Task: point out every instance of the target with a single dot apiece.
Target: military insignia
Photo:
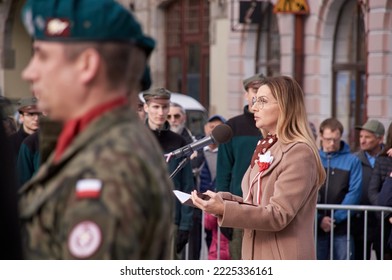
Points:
(88, 188)
(57, 27)
(84, 240)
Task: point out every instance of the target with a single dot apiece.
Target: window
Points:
(268, 42)
(187, 48)
(349, 66)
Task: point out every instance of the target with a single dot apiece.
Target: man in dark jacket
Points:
(371, 137)
(234, 156)
(29, 116)
(157, 103)
(11, 245)
(385, 199)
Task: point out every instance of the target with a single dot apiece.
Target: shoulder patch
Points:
(88, 188)
(84, 239)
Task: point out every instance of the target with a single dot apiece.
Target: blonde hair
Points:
(293, 124)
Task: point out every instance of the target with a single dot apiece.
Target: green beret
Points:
(146, 79)
(258, 78)
(156, 93)
(28, 105)
(83, 21)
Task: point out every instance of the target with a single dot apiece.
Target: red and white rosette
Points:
(263, 163)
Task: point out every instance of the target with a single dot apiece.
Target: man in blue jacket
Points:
(342, 186)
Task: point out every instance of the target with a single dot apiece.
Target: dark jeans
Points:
(195, 236)
(339, 247)
(358, 231)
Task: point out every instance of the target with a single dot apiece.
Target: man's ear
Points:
(21, 117)
(145, 106)
(89, 63)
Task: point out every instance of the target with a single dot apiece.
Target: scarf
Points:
(261, 151)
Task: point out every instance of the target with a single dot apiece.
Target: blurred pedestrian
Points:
(29, 116)
(140, 110)
(10, 245)
(29, 158)
(381, 172)
(9, 123)
(385, 199)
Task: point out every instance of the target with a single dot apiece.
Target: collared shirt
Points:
(371, 159)
(74, 127)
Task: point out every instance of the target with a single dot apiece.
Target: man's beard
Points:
(177, 129)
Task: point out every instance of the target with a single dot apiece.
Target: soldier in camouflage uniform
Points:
(105, 192)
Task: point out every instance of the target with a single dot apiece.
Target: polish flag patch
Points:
(88, 188)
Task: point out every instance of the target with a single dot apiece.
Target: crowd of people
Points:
(101, 186)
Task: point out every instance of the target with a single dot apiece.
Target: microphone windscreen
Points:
(222, 133)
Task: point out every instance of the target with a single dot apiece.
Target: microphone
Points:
(220, 134)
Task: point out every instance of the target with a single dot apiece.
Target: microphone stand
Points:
(180, 166)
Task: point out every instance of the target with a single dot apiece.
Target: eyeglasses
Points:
(175, 116)
(260, 102)
(334, 140)
(38, 114)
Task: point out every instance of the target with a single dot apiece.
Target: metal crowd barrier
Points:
(383, 211)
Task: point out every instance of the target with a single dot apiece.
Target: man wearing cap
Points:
(140, 110)
(157, 103)
(104, 193)
(177, 120)
(29, 117)
(371, 137)
(234, 156)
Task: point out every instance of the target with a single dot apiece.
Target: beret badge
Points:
(57, 27)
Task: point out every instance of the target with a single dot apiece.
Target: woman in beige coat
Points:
(280, 187)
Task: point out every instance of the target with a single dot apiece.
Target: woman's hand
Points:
(214, 205)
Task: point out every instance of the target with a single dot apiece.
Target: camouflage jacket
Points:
(108, 197)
